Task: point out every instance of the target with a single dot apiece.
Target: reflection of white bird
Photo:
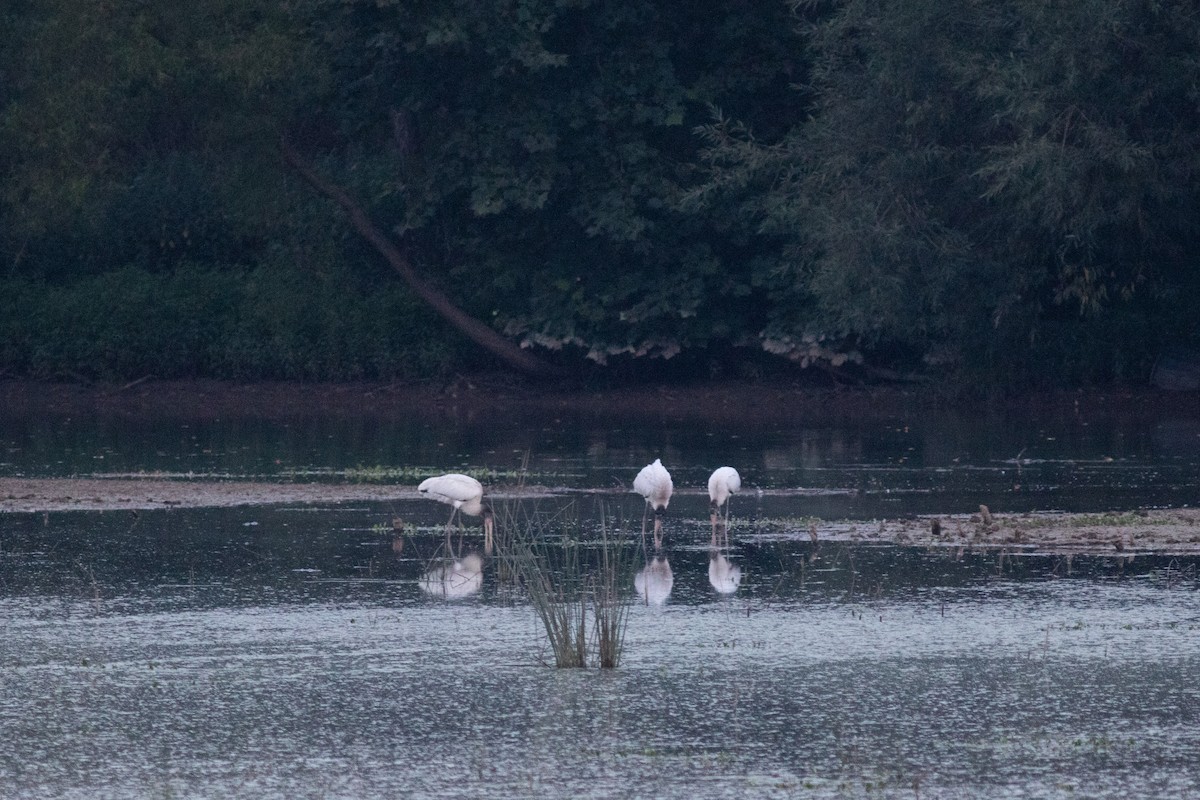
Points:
(454, 579)
(653, 584)
(654, 484)
(723, 574)
(466, 495)
(721, 484)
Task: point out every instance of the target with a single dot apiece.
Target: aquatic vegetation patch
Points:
(379, 473)
(1114, 519)
(565, 580)
(1172, 530)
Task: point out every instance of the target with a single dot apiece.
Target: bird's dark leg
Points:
(657, 529)
(449, 522)
(489, 524)
(645, 515)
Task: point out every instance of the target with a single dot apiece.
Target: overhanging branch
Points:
(473, 329)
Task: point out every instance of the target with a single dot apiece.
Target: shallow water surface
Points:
(307, 652)
(1085, 458)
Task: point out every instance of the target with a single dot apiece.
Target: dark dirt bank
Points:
(717, 402)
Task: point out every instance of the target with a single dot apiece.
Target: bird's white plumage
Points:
(722, 483)
(461, 491)
(654, 484)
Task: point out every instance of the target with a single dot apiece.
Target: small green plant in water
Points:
(413, 474)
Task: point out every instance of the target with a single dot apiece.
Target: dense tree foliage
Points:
(532, 155)
(142, 133)
(1005, 186)
(888, 187)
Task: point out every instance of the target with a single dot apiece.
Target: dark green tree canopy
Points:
(885, 187)
(533, 155)
(983, 179)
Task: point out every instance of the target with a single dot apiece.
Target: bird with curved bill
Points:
(465, 494)
(724, 575)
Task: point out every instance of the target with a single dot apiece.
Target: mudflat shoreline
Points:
(1159, 531)
(34, 495)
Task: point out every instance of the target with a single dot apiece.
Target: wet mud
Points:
(1163, 531)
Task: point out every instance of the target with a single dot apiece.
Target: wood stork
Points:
(721, 484)
(465, 494)
(654, 484)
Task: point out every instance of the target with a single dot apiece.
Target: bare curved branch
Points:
(473, 329)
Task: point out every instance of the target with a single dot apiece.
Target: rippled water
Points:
(318, 652)
(296, 652)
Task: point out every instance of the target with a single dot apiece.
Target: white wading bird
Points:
(721, 484)
(466, 495)
(723, 574)
(654, 484)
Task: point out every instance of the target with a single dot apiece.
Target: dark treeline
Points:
(341, 189)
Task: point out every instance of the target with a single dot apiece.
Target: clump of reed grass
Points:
(565, 580)
(610, 609)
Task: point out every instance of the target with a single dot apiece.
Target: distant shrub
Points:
(235, 323)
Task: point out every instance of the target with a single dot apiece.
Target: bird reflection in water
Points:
(653, 583)
(454, 578)
(724, 575)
